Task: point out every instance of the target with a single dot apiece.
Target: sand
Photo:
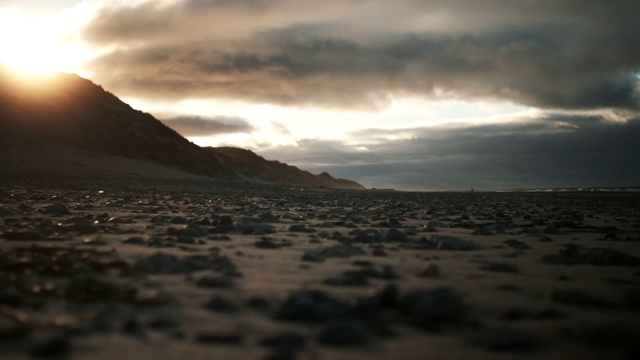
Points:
(195, 270)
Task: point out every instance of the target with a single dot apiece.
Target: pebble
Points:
(215, 281)
(574, 298)
(431, 271)
(287, 339)
(349, 278)
(223, 305)
(344, 334)
(429, 309)
(81, 224)
(341, 250)
(219, 337)
(503, 339)
(446, 242)
(500, 267)
(56, 209)
(311, 306)
(54, 346)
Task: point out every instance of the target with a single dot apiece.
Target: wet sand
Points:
(194, 270)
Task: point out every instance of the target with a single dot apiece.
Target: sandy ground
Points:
(190, 270)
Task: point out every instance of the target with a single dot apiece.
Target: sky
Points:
(406, 94)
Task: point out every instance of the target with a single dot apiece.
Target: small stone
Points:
(311, 306)
(394, 235)
(518, 245)
(312, 256)
(446, 242)
(219, 337)
(218, 282)
(341, 250)
(223, 305)
(25, 235)
(135, 240)
(432, 271)
(268, 217)
(266, 244)
(574, 298)
(287, 339)
(132, 327)
(9, 328)
(301, 228)
(349, 278)
(54, 346)
(82, 224)
(345, 334)
(500, 267)
(225, 220)
(178, 220)
(507, 339)
(430, 308)
(56, 209)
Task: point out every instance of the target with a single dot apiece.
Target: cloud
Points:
(201, 126)
(555, 150)
(548, 54)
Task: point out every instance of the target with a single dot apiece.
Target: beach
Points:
(196, 269)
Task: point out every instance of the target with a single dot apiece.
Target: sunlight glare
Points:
(37, 45)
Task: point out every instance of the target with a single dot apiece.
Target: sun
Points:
(38, 45)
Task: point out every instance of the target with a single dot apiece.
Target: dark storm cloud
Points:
(558, 150)
(200, 126)
(552, 54)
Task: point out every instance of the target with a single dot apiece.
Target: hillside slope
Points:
(69, 112)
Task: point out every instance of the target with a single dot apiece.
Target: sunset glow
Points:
(436, 89)
(39, 44)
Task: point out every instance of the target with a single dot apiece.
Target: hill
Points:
(62, 122)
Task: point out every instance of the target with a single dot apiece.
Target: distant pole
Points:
(471, 189)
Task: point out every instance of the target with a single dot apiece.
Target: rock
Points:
(178, 220)
(53, 346)
(9, 328)
(225, 220)
(446, 242)
(341, 250)
(266, 244)
(223, 305)
(301, 228)
(268, 217)
(394, 235)
(500, 267)
(574, 298)
(576, 254)
(135, 240)
(349, 278)
(311, 306)
(431, 271)
(215, 281)
(219, 337)
(389, 296)
(33, 235)
(56, 209)
(503, 339)
(158, 262)
(552, 230)
(313, 256)
(288, 339)
(81, 224)
(345, 334)
(4, 211)
(429, 309)
(518, 245)
(132, 327)
(483, 231)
